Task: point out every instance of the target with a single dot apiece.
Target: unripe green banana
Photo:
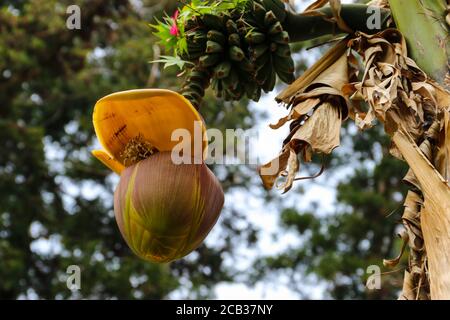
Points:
(224, 16)
(190, 98)
(216, 85)
(259, 12)
(258, 51)
(273, 47)
(212, 21)
(277, 7)
(285, 76)
(199, 86)
(234, 40)
(193, 94)
(222, 70)
(271, 79)
(241, 23)
(245, 25)
(234, 78)
(194, 48)
(263, 74)
(190, 24)
(247, 66)
(283, 51)
(226, 95)
(213, 47)
(236, 53)
(276, 28)
(255, 37)
(247, 22)
(216, 36)
(257, 94)
(195, 87)
(262, 60)
(195, 35)
(232, 81)
(281, 38)
(197, 75)
(269, 19)
(273, 4)
(232, 27)
(245, 76)
(239, 93)
(209, 60)
(250, 89)
(243, 32)
(198, 83)
(285, 65)
(234, 93)
(200, 38)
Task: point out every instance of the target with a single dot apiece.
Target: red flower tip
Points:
(174, 29)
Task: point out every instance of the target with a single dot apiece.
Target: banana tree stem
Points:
(358, 17)
(422, 22)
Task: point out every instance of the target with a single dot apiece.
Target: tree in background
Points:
(51, 189)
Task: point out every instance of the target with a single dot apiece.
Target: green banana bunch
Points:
(217, 48)
(195, 84)
(238, 54)
(269, 44)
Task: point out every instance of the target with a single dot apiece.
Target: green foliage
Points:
(172, 42)
(178, 43)
(170, 61)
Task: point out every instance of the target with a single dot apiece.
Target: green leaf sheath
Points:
(302, 28)
(427, 37)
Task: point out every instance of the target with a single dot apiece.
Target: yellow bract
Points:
(108, 161)
(152, 114)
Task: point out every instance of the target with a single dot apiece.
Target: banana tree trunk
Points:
(423, 23)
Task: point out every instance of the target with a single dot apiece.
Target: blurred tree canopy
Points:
(56, 200)
(50, 79)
